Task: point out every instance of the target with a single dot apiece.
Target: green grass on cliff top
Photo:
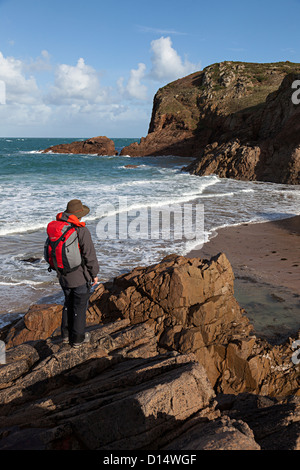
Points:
(181, 97)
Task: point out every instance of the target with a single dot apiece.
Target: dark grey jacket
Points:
(89, 271)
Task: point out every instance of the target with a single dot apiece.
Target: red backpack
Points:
(61, 250)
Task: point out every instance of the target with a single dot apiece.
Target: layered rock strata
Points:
(112, 395)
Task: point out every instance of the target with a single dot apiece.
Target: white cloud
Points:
(73, 99)
(40, 64)
(166, 63)
(45, 54)
(19, 88)
(134, 88)
(23, 109)
(74, 102)
(75, 84)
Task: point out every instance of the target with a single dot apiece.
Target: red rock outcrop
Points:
(97, 145)
(110, 395)
(271, 152)
(192, 306)
(237, 119)
(172, 364)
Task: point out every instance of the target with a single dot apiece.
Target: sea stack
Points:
(100, 145)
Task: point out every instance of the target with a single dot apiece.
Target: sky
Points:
(71, 68)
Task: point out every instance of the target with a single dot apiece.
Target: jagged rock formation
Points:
(113, 394)
(97, 145)
(172, 364)
(270, 153)
(236, 118)
(194, 309)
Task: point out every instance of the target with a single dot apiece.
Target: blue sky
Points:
(74, 68)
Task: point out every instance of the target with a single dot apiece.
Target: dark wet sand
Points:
(266, 252)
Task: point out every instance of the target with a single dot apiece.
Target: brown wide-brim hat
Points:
(77, 208)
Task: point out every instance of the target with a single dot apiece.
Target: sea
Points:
(164, 208)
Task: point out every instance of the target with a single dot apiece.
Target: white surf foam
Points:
(23, 282)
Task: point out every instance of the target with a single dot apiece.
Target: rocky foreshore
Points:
(173, 364)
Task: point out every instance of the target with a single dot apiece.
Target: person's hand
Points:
(95, 281)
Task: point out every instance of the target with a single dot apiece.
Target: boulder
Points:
(40, 322)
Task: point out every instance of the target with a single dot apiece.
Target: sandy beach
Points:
(267, 252)
(265, 258)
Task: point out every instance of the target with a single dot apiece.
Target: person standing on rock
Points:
(69, 250)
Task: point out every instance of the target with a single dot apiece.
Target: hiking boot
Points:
(86, 340)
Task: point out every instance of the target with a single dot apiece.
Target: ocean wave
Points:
(26, 228)
(134, 166)
(192, 245)
(227, 194)
(295, 192)
(115, 186)
(23, 282)
(252, 220)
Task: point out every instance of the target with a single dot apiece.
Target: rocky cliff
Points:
(173, 364)
(237, 119)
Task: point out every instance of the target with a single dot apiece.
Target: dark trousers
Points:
(74, 313)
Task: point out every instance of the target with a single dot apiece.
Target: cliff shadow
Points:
(265, 416)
